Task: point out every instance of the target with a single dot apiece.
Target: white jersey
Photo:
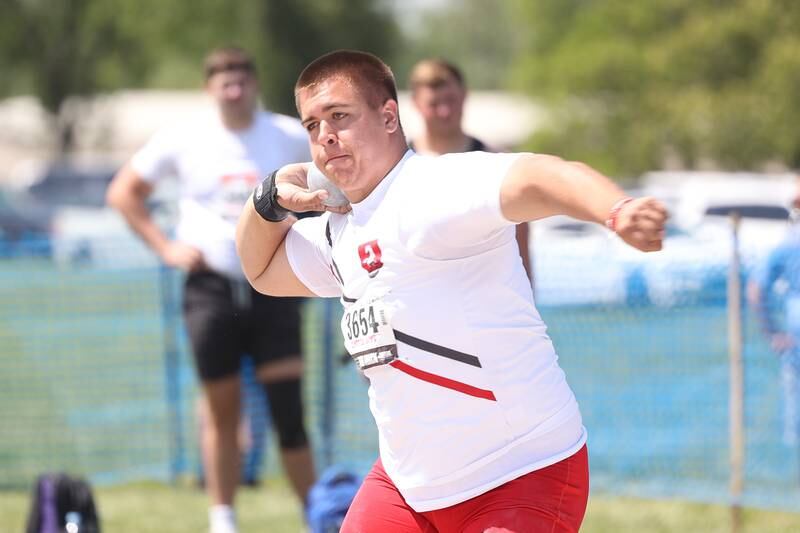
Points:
(217, 169)
(465, 387)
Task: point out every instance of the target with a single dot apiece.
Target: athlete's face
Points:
(350, 140)
(441, 107)
(235, 92)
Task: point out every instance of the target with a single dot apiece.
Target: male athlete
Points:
(478, 429)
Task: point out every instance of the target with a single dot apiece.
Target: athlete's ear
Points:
(391, 116)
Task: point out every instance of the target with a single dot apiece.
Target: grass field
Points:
(158, 508)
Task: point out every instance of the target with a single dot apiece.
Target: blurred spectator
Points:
(253, 422)
(438, 92)
(776, 283)
(218, 159)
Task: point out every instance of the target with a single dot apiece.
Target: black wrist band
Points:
(265, 200)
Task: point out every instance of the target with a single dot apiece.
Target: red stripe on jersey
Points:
(443, 381)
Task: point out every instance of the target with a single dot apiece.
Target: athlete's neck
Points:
(433, 144)
(389, 163)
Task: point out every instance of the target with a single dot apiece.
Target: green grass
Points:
(619, 515)
(159, 508)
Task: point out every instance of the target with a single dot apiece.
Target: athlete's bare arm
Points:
(538, 186)
(261, 244)
(128, 193)
(262, 251)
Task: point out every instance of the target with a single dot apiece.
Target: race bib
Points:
(368, 336)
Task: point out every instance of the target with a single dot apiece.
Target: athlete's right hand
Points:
(183, 256)
(293, 193)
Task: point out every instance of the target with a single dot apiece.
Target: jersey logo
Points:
(370, 254)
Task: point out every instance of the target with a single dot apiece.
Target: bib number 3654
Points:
(360, 322)
(368, 336)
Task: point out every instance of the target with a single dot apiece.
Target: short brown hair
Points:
(227, 59)
(368, 73)
(434, 72)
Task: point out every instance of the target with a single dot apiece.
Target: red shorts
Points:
(552, 499)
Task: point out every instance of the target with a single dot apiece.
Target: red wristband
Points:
(611, 221)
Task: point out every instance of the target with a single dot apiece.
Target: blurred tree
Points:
(291, 33)
(482, 38)
(283, 35)
(58, 49)
(635, 84)
(69, 47)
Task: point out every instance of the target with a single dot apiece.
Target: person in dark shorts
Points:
(217, 158)
(226, 318)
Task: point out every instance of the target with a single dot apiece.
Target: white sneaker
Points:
(222, 519)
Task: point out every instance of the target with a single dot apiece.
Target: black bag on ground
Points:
(59, 499)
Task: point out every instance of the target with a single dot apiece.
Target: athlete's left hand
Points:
(641, 223)
(294, 194)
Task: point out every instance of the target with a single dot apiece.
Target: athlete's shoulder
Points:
(440, 174)
(335, 225)
(468, 160)
(327, 227)
(310, 223)
(420, 165)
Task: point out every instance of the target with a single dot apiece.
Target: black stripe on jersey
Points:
(334, 267)
(435, 349)
(337, 274)
(333, 273)
(328, 232)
